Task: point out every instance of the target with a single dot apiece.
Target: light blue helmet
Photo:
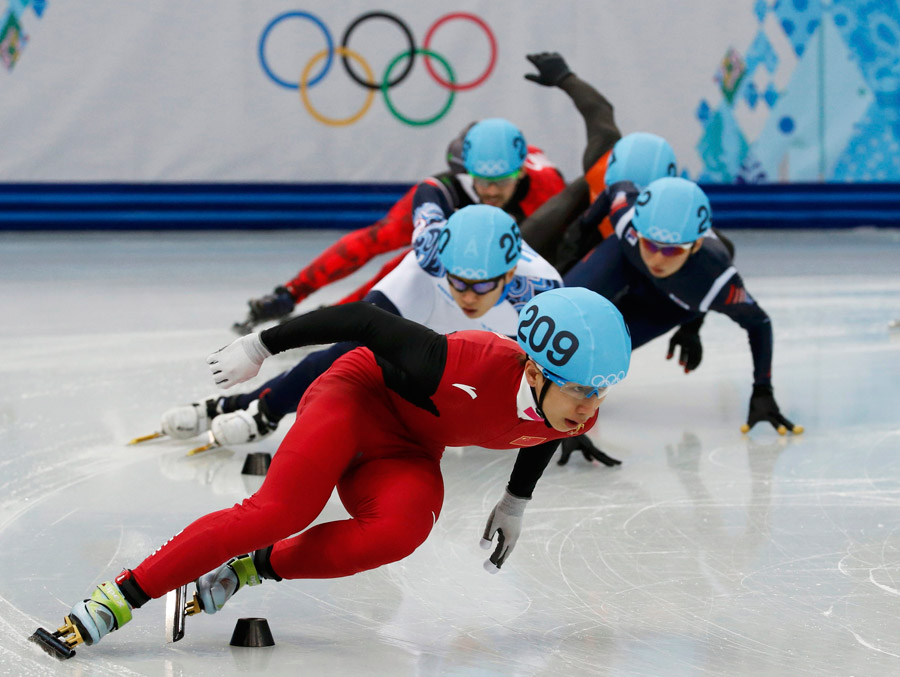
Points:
(672, 210)
(479, 242)
(576, 336)
(494, 148)
(640, 158)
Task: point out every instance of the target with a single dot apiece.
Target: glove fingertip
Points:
(485, 544)
(490, 567)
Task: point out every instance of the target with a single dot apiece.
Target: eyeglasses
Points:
(481, 287)
(501, 182)
(575, 390)
(667, 250)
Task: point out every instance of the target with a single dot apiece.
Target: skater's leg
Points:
(304, 471)
(394, 503)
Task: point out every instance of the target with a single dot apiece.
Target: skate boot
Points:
(217, 587)
(189, 420)
(108, 609)
(243, 425)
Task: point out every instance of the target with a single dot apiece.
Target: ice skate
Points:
(244, 425)
(88, 622)
(217, 587)
(193, 419)
(179, 607)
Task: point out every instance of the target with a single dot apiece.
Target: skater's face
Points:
(466, 293)
(663, 260)
(564, 412)
(495, 192)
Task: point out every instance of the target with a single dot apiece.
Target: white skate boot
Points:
(243, 426)
(217, 587)
(189, 420)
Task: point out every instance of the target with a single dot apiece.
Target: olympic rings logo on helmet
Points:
(307, 80)
(469, 273)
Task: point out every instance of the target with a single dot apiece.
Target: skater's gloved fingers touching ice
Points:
(239, 361)
(763, 407)
(505, 521)
(587, 448)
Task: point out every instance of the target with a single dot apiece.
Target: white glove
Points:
(238, 361)
(506, 517)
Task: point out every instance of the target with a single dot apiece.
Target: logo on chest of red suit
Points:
(527, 441)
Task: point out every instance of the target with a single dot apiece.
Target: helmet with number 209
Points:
(577, 337)
(673, 211)
(479, 242)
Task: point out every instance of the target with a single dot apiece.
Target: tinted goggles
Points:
(575, 390)
(500, 182)
(480, 287)
(667, 250)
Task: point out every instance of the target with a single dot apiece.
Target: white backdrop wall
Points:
(168, 90)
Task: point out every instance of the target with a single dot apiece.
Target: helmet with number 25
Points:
(479, 242)
(578, 338)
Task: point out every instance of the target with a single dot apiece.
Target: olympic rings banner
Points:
(393, 74)
(748, 91)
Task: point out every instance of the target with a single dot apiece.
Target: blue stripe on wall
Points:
(47, 206)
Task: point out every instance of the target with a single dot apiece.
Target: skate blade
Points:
(52, 644)
(205, 447)
(144, 438)
(178, 607)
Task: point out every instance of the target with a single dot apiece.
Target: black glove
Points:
(688, 339)
(587, 448)
(552, 69)
(272, 306)
(763, 407)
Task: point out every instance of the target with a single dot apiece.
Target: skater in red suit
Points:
(518, 179)
(374, 426)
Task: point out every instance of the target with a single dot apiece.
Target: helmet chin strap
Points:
(539, 399)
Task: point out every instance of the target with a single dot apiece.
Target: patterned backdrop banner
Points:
(746, 91)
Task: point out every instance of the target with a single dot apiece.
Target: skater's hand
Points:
(588, 450)
(688, 339)
(272, 306)
(238, 361)
(552, 69)
(763, 407)
(505, 521)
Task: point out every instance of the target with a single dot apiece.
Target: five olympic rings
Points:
(369, 81)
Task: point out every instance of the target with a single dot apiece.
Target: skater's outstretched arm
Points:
(410, 348)
(595, 109)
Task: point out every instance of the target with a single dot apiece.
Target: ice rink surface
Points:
(706, 553)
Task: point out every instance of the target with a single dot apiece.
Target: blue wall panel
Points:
(68, 206)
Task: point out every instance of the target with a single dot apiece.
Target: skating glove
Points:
(505, 521)
(272, 306)
(763, 407)
(239, 361)
(552, 69)
(588, 450)
(688, 339)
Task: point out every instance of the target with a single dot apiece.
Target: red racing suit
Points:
(374, 426)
